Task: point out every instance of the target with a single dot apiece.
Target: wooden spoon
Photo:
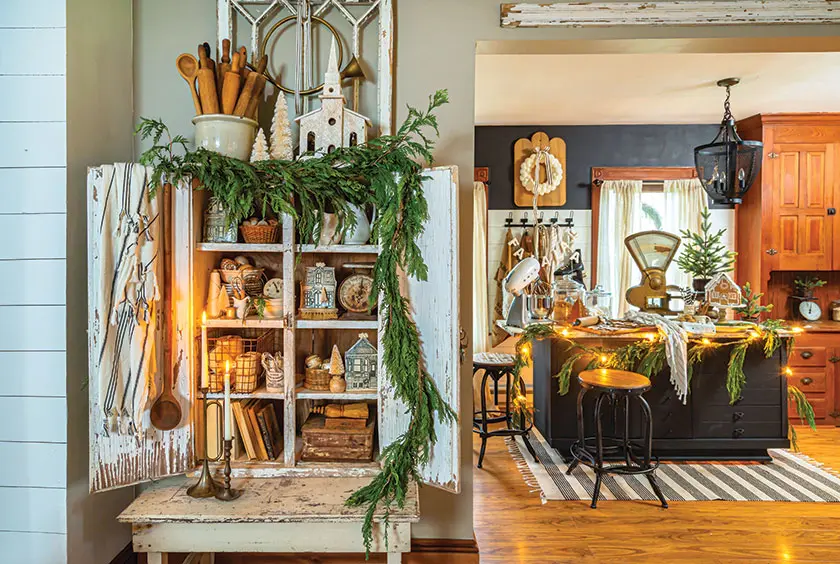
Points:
(166, 411)
(188, 69)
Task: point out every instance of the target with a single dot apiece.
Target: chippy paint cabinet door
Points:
(434, 305)
(124, 447)
(804, 190)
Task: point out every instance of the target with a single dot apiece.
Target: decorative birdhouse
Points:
(317, 293)
(332, 125)
(360, 362)
(723, 292)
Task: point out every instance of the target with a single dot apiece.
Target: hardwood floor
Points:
(513, 526)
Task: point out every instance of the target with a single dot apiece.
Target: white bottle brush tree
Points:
(260, 150)
(336, 363)
(281, 131)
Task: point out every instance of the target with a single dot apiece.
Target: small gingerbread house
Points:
(332, 125)
(723, 292)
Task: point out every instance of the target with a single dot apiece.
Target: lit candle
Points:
(228, 435)
(205, 358)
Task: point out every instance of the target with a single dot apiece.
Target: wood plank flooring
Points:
(513, 526)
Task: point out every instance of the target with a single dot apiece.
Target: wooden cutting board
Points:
(523, 149)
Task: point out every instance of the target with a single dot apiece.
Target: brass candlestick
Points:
(227, 493)
(206, 485)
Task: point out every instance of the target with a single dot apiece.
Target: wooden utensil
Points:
(243, 62)
(207, 84)
(259, 87)
(249, 89)
(188, 69)
(230, 89)
(166, 411)
(211, 63)
(224, 66)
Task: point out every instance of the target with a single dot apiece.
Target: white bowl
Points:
(232, 136)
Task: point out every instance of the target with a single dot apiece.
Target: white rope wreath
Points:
(528, 173)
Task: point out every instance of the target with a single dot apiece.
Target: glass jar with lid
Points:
(599, 302)
(834, 310)
(568, 297)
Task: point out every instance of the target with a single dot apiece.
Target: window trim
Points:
(645, 174)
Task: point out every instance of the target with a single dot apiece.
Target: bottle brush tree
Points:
(704, 255)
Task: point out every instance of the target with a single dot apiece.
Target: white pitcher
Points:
(360, 234)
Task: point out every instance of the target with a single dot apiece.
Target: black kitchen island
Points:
(706, 427)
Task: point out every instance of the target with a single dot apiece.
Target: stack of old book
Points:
(259, 428)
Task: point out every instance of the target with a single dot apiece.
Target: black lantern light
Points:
(728, 166)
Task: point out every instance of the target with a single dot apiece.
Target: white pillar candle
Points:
(228, 435)
(205, 358)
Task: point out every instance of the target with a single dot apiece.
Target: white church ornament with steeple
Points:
(332, 125)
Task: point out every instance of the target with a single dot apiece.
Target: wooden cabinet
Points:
(787, 221)
(813, 362)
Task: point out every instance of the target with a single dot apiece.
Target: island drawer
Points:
(807, 356)
(809, 380)
(820, 404)
(740, 430)
(724, 422)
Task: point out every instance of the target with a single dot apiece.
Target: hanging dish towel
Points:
(129, 296)
(676, 347)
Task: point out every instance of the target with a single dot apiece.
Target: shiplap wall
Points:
(33, 412)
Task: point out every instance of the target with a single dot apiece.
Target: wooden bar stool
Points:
(496, 366)
(615, 385)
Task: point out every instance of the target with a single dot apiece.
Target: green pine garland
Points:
(647, 356)
(385, 172)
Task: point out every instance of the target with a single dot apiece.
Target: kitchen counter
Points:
(818, 326)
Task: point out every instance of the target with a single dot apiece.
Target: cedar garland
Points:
(384, 172)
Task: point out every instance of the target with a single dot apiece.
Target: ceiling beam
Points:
(671, 13)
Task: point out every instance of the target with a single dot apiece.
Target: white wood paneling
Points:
(33, 51)
(40, 374)
(33, 13)
(33, 548)
(670, 13)
(33, 282)
(32, 98)
(32, 144)
(42, 420)
(34, 465)
(33, 190)
(33, 236)
(36, 510)
(32, 328)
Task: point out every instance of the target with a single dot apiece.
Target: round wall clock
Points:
(810, 311)
(274, 288)
(354, 292)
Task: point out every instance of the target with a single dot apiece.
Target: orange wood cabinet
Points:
(813, 360)
(787, 220)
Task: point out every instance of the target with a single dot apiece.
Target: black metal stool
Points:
(614, 385)
(496, 366)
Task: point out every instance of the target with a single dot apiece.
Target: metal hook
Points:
(524, 219)
(542, 215)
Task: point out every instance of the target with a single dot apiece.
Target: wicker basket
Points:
(236, 349)
(253, 280)
(260, 233)
(247, 372)
(317, 380)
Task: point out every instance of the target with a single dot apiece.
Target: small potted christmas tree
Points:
(804, 287)
(704, 255)
(337, 383)
(753, 309)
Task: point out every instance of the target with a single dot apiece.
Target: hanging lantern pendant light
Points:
(728, 166)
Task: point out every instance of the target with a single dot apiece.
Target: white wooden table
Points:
(273, 515)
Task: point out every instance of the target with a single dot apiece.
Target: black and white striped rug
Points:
(790, 477)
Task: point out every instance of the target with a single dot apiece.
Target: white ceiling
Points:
(650, 88)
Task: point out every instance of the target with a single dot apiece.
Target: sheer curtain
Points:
(481, 307)
(619, 217)
(684, 201)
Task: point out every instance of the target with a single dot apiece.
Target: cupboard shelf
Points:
(346, 249)
(249, 323)
(259, 393)
(303, 393)
(372, 324)
(243, 247)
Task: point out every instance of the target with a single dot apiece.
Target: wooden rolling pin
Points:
(259, 88)
(224, 66)
(207, 84)
(243, 56)
(230, 89)
(249, 91)
(349, 411)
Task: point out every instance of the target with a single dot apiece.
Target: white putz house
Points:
(332, 125)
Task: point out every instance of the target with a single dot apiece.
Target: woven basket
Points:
(253, 280)
(247, 372)
(260, 233)
(317, 380)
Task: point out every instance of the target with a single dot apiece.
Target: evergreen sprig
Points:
(704, 254)
(387, 173)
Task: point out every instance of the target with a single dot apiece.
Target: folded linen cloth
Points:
(676, 347)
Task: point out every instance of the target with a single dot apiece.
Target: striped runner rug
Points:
(790, 477)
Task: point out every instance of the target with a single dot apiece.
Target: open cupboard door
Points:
(126, 343)
(435, 307)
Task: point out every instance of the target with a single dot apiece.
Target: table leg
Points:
(394, 558)
(157, 558)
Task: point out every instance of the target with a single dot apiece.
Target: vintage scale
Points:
(653, 252)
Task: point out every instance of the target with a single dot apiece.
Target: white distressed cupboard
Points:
(118, 461)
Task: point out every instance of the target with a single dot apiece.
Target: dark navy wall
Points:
(587, 146)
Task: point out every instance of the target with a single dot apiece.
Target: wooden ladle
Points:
(188, 68)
